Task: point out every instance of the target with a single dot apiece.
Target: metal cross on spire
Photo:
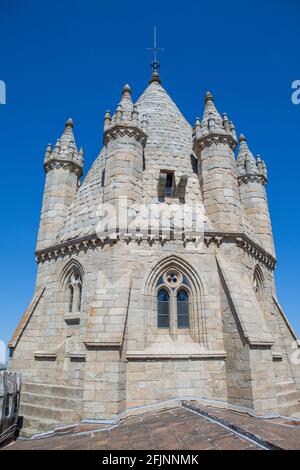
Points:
(155, 64)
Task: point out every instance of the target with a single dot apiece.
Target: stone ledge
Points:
(140, 355)
(91, 241)
(77, 357)
(260, 344)
(72, 319)
(45, 355)
(115, 345)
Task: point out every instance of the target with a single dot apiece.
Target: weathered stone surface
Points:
(10, 388)
(89, 345)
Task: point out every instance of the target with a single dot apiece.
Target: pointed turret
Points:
(245, 160)
(124, 138)
(126, 102)
(63, 167)
(107, 120)
(212, 122)
(65, 150)
(252, 180)
(214, 144)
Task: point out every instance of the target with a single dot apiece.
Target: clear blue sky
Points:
(71, 58)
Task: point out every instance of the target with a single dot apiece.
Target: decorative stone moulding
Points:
(256, 251)
(66, 165)
(247, 178)
(93, 241)
(139, 355)
(214, 139)
(123, 131)
(172, 278)
(103, 345)
(46, 356)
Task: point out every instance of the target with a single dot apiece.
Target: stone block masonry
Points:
(162, 308)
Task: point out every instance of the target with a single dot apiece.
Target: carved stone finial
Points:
(107, 119)
(126, 89)
(48, 151)
(119, 113)
(69, 123)
(134, 113)
(208, 97)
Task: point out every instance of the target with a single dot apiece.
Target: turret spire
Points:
(63, 167)
(245, 160)
(126, 101)
(252, 180)
(155, 64)
(213, 124)
(65, 148)
(211, 116)
(214, 145)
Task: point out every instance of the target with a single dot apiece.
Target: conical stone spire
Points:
(123, 110)
(126, 102)
(213, 124)
(211, 116)
(67, 140)
(65, 149)
(63, 167)
(246, 163)
(126, 118)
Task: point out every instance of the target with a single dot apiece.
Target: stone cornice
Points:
(120, 130)
(92, 241)
(56, 163)
(145, 355)
(210, 139)
(252, 178)
(244, 242)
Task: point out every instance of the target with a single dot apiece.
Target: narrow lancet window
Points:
(182, 309)
(163, 309)
(71, 296)
(79, 297)
(74, 291)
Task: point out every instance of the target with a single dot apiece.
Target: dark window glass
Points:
(169, 185)
(182, 309)
(79, 297)
(163, 309)
(71, 290)
(102, 178)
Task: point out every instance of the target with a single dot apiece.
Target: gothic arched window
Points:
(258, 284)
(182, 309)
(173, 300)
(259, 287)
(163, 309)
(74, 286)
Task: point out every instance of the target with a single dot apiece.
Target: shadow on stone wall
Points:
(10, 388)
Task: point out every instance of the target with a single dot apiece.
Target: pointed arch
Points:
(71, 280)
(259, 286)
(71, 266)
(189, 280)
